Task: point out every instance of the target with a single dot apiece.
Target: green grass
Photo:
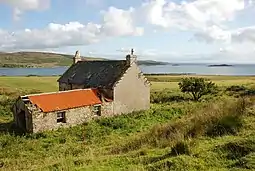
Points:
(47, 84)
(44, 84)
(223, 136)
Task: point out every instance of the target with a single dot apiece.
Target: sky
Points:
(211, 31)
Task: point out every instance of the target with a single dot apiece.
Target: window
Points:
(61, 117)
(97, 110)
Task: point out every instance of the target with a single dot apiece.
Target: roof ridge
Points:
(57, 92)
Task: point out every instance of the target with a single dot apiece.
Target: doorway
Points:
(22, 120)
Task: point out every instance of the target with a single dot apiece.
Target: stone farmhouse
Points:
(87, 90)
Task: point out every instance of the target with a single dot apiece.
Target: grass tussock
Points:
(224, 118)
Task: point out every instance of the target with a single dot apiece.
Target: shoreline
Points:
(160, 74)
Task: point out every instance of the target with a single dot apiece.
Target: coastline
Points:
(147, 75)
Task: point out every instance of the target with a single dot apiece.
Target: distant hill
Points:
(150, 62)
(36, 59)
(46, 59)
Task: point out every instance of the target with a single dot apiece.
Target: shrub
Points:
(236, 88)
(250, 92)
(231, 120)
(166, 96)
(196, 87)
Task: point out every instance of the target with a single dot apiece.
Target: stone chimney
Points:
(131, 58)
(77, 57)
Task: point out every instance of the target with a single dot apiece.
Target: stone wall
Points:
(48, 121)
(132, 92)
(107, 109)
(19, 107)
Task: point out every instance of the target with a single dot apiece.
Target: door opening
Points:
(22, 120)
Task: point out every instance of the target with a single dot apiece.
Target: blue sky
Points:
(167, 30)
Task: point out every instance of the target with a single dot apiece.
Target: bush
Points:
(236, 88)
(5, 106)
(227, 125)
(166, 96)
(196, 87)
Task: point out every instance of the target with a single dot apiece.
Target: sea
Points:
(192, 69)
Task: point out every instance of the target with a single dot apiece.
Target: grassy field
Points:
(47, 84)
(217, 133)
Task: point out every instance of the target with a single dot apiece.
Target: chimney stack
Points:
(131, 58)
(77, 57)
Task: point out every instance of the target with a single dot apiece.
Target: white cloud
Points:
(20, 6)
(118, 22)
(205, 18)
(197, 14)
(53, 36)
(235, 36)
(246, 34)
(212, 34)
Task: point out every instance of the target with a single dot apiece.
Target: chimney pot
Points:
(77, 57)
(131, 58)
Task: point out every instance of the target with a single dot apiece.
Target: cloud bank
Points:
(207, 19)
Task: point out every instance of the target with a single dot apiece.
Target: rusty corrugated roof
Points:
(49, 102)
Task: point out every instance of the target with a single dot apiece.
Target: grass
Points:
(44, 84)
(159, 83)
(216, 133)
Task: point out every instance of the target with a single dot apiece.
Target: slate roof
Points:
(49, 102)
(95, 74)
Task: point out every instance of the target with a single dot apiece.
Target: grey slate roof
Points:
(95, 74)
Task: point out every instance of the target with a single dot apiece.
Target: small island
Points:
(220, 65)
(175, 65)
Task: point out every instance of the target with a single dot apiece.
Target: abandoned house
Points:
(87, 90)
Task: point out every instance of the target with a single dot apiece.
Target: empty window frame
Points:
(97, 110)
(61, 117)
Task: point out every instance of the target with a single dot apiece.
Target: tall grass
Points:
(214, 120)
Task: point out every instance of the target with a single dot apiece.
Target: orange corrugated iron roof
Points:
(49, 102)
